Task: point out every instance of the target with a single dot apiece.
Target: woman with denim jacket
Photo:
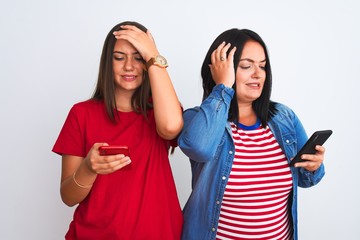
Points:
(240, 143)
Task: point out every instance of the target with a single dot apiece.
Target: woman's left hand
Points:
(314, 161)
(142, 41)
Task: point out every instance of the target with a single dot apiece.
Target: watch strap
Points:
(154, 61)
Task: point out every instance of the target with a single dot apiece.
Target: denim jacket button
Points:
(230, 152)
(213, 229)
(287, 141)
(223, 178)
(217, 202)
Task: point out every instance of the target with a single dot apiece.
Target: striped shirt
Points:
(255, 202)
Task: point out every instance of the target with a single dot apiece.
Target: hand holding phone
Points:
(318, 138)
(113, 150)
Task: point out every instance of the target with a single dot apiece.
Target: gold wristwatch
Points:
(158, 60)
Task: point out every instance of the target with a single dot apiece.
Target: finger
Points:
(108, 159)
(231, 53)
(127, 31)
(310, 166)
(113, 166)
(98, 163)
(123, 34)
(131, 28)
(120, 159)
(150, 36)
(308, 157)
(123, 163)
(213, 57)
(318, 157)
(313, 161)
(218, 50)
(320, 148)
(223, 52)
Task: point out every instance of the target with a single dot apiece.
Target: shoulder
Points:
(285, 116)
(87, 105)
(281, 110)
(88, 109)
(90, 103)
(191, 111)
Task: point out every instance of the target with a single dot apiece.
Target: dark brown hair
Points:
(105, 87)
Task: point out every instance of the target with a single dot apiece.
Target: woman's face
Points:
(128, 66)
(250, 74)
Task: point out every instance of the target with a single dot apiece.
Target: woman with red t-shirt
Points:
(119, 196)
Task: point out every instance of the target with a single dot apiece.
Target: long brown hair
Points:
(105, 87)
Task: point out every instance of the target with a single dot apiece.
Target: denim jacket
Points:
(207, 140)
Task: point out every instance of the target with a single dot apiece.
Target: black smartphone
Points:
(113, 150)
(318, 138)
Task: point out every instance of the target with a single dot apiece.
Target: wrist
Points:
(158, 61)
(88, 167)
(80, 185)
(84, 176)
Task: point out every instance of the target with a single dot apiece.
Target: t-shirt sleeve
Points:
(70, 140)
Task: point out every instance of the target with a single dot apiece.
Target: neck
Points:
(123, 102)
(247, 115)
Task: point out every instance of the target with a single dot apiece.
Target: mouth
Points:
(253, 85)
(129, 78)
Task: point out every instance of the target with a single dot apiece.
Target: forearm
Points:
(77, 184)
(167, 108)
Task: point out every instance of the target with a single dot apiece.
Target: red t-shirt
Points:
(138, 201)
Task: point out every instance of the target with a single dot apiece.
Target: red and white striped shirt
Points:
(255, 202)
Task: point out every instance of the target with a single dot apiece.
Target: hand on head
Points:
(222, 65)
(142, 41)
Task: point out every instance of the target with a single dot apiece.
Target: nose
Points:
(129, 64)
(257, 71)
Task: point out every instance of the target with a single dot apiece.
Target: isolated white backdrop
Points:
(49, 56)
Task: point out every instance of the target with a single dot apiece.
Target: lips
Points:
(129, 78)
(253, 85)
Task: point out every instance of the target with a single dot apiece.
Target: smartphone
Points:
(318, 138)
(112, 150)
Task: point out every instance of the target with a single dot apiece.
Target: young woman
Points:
(134, 104)
(240, 144)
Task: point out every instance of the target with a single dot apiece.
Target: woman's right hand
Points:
(104, 164)
(78, 174)
(222, 65)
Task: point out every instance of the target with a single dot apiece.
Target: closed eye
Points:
(140, 59)
(118, 58)
(245, 67)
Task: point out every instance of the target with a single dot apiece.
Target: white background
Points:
(49, 58)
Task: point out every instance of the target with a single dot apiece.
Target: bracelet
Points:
(78, 184)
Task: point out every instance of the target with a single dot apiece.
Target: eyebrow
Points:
(125, 53)
(250, 60)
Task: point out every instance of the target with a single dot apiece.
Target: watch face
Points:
(161, 60)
